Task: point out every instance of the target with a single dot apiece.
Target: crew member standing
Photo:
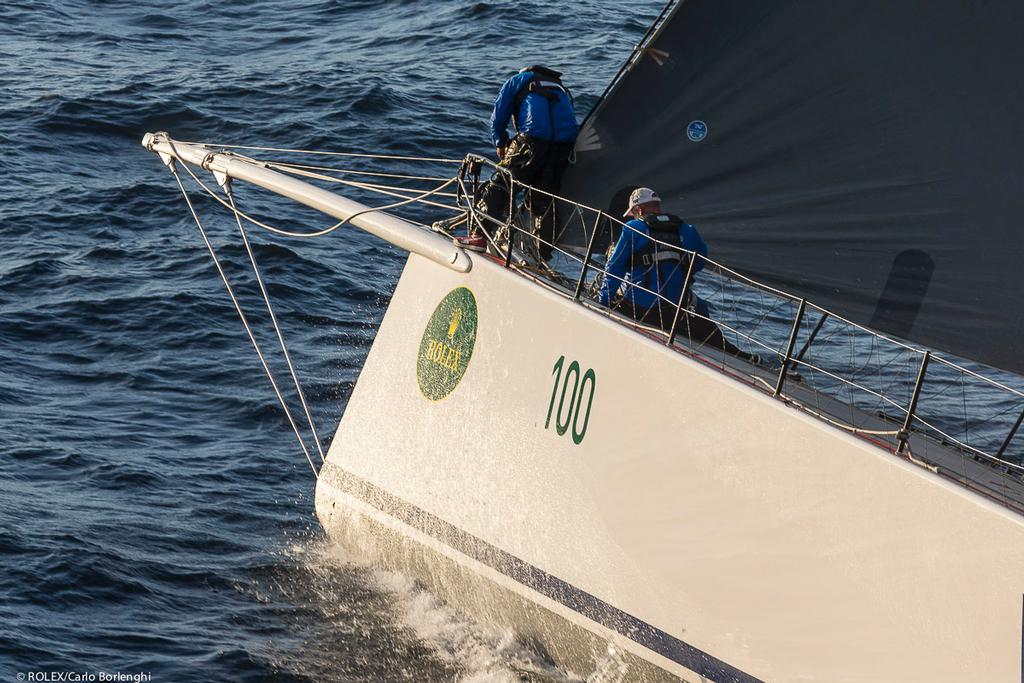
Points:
(650, 259)
(541, 110)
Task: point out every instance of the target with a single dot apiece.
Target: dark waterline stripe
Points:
(578, 600)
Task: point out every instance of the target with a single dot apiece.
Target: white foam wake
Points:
(484, 653)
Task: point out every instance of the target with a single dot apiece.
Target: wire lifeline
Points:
(277, 328)
(967, 447)
(850, 428)
(245, 322)
(875, 336)
(739, 277)
(825, 418)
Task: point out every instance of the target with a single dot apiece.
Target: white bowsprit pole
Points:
(390, 228)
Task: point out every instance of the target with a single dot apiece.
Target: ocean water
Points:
(155, 513)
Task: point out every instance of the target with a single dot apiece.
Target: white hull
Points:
(699, 525)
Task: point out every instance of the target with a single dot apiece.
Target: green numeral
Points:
(574, 372)
(571, 416)
(557, 372)
(577, 435)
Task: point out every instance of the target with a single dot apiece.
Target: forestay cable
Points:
(273, 319)
(241, 315)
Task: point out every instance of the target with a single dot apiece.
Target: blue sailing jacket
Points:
(554, 121)
(667, 278)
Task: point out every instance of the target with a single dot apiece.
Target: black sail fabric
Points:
(864, 155)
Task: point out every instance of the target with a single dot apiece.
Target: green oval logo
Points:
(447, 344)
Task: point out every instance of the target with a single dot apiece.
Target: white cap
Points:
(641, 195)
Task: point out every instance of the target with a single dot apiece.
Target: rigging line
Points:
(245, 322)
(849, 383)
(399, 191)
(770, 310)
(989, 380)
(825, 418)
(299, 168)
(319, 233)
(325, 153)
(372, 187)
(244, 215)
(880, 368)
(968, 447)
(638, 50)
(1006, 411)
(277, 328)
(390, 190)
(950, 383)
(400, 176)
(967, 426)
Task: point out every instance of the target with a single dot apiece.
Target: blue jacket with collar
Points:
(668, 279)
(537, 116)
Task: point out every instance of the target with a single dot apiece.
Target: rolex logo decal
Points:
(447, 344)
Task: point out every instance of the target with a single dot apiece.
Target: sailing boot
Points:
(474, 241)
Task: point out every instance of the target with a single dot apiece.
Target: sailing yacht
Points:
(639, 504)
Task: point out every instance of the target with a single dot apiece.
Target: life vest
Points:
(664, 228)
(544, 82)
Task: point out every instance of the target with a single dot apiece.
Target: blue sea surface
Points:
(155, 512)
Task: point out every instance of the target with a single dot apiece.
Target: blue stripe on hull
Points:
(578, 600)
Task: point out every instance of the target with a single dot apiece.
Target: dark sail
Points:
(865, 155)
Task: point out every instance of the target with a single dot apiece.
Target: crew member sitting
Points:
(541, 109)
(649, 262)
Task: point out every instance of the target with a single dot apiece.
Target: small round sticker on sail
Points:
(697, 131)
(447, 344)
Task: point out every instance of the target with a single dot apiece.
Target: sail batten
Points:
(862, 154)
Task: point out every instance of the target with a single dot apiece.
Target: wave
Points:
(149, 478)
(117, 114)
